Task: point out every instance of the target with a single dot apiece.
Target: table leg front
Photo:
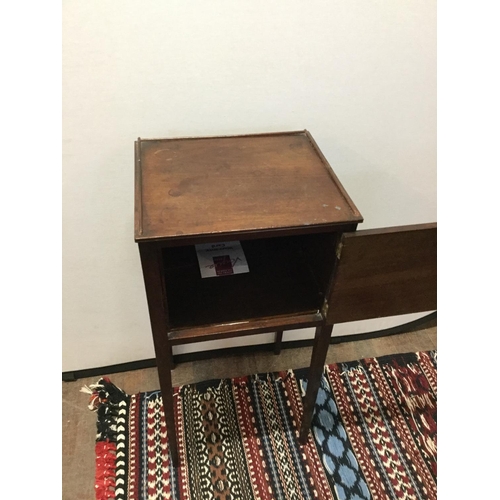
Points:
(164, 357)
(320, 349)
(277, 342)
(153, 281)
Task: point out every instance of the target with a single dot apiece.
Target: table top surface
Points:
(230, 186)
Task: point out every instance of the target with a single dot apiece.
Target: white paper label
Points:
(221, 259)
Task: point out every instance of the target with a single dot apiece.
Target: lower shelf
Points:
(242, 328)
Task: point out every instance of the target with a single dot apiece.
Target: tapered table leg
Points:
(277, 342)
(171, 354)
(164, 358)
(153, 279)
(320, 349)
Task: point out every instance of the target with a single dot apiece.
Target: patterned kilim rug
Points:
(373, 436)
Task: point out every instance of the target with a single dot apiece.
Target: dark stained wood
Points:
(287, 276)
(242, 328)
(277, 342)
(228, 185)
(138, 190)
(334, 177)
(274, 192)
(171, 355)
(152, 270)
(251, 235)
(385, 272)
(319, 256)
(320, 349)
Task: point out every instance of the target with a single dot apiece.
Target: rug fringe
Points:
(102, 392)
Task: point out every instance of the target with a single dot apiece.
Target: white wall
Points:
(359, 75)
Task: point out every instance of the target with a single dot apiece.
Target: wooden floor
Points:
(79, 423)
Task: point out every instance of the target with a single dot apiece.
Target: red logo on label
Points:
(223, 265)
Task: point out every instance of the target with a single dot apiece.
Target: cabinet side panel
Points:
(137, 190)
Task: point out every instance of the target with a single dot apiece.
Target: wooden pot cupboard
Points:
(309, 266)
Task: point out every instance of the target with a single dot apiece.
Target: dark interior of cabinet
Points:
(288, 275)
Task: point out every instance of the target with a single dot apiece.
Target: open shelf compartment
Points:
(288, 276)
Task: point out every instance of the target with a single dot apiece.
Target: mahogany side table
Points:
(278, 196)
